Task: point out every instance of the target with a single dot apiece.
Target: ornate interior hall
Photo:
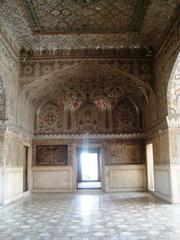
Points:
(89, 119)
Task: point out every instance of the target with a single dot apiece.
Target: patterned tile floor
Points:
(95, 215)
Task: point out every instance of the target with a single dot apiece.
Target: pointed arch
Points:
(126, 117)
(88, 118)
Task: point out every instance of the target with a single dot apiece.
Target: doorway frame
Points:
(101, 161)
(25, 164)
(148, 171)
(89, 150)
(29, 168)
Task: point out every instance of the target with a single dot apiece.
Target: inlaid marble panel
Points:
(51, 155)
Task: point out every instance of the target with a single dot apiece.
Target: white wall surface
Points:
(125, 178)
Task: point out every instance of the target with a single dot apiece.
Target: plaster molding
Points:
(86, 137)
(98, 53)
(21, 132)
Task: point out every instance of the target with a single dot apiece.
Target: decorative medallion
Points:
(50, 118)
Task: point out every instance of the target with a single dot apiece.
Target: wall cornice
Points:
(88, 137)
(21, 132)
(98, 53)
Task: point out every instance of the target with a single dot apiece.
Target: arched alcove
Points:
(88, 119)
(126, 117)
(48, 119)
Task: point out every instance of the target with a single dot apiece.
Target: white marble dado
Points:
(1, 185)
(13, 184)
(125, 178)
(175, 182)
(162, 182)
(52, 179)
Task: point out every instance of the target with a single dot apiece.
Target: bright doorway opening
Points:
(88, 168)
(25, 169)
(150, 166)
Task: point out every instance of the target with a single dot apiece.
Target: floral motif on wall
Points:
(88, 118)
(69, 102)
(101, 103)
(108, 101)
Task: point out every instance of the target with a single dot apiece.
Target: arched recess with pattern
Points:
(126, 117)
(88, 118)
(48, 119)
(173, 95)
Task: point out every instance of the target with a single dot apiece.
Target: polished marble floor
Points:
(89, 185)
(90, 215)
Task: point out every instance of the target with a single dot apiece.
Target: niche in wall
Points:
(48, 119)
(88, 119)
(51, 155)
(125, 117)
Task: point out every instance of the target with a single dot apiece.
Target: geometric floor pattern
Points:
(90, 215)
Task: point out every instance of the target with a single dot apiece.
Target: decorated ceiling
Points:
(85, 16)
(77, 24)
